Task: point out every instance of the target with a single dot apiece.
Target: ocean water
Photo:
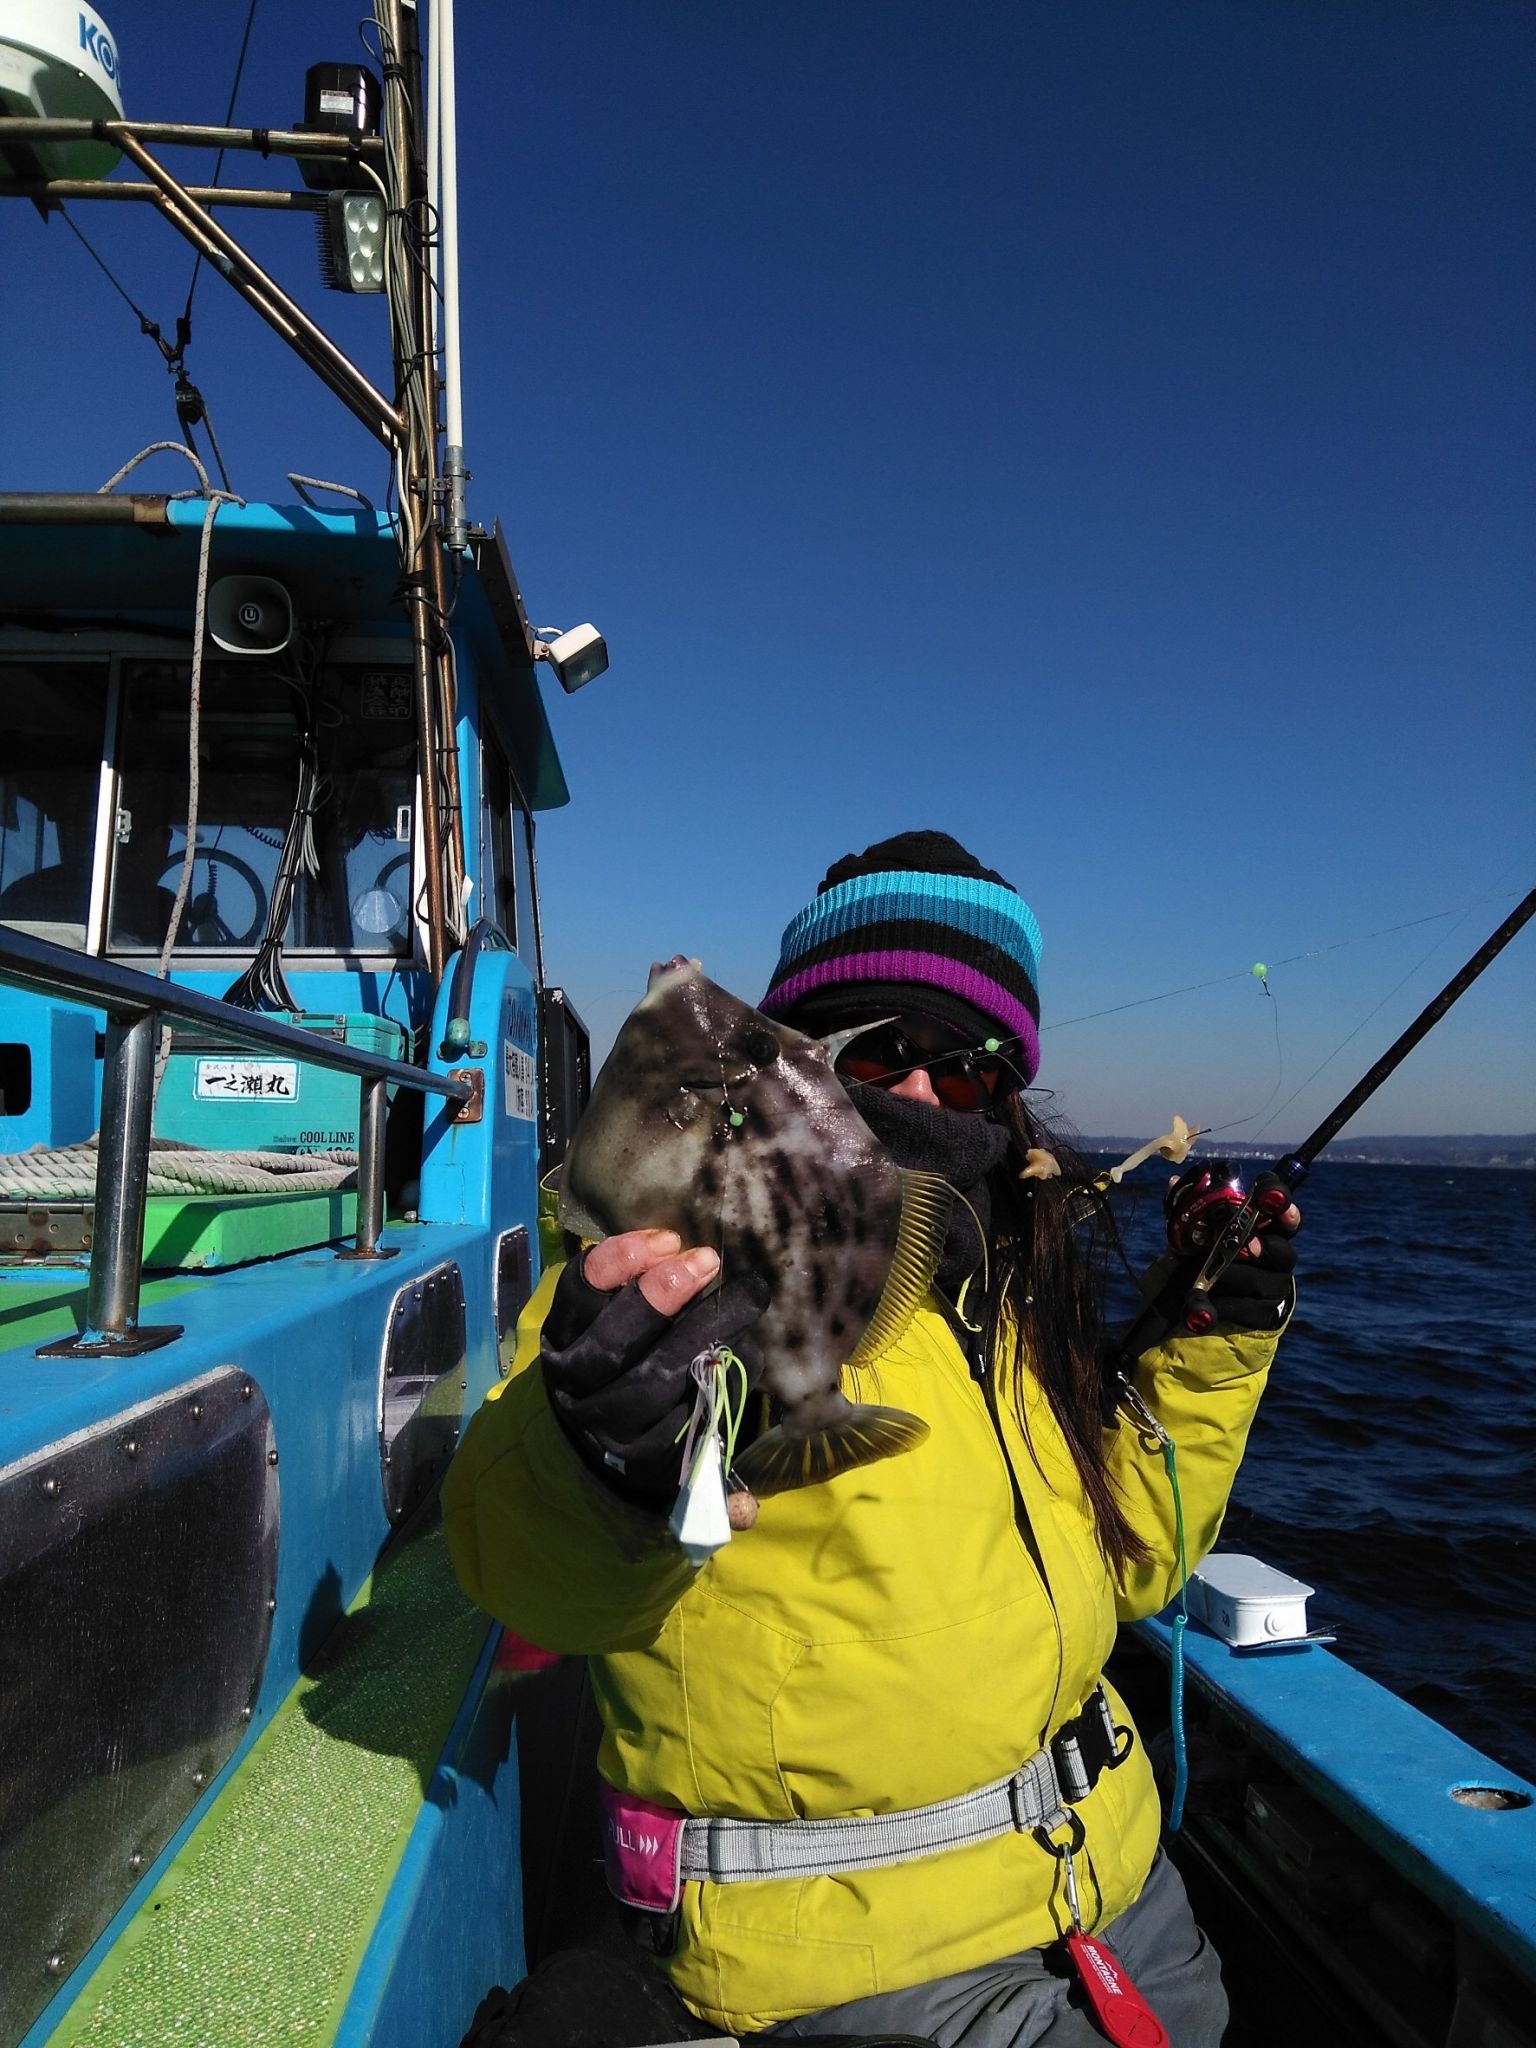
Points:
(1393, 1461)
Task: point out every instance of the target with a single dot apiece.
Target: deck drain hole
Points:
(1491, 1798)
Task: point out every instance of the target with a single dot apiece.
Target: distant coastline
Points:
(1474, 1149)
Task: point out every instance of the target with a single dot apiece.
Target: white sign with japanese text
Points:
(239, 1080)
(517, 1077)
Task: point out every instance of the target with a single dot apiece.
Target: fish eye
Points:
(758, 1047)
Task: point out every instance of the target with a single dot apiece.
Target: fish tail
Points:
(778, 1461)
(926, 1203)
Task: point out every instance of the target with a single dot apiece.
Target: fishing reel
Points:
(1201, 1204)
(1211, 1217)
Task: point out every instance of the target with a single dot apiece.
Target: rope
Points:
(194, 717)
(194, 735)
(157, 448)
(68, 1174)
(146, 325)
(218, 167)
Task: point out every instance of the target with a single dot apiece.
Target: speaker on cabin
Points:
(250, 615)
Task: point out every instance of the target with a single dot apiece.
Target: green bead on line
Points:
(737, 1119)
(992, 1045)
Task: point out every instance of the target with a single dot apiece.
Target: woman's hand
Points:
(627, 1320)
(1257, 1291)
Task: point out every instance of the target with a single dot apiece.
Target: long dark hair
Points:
(1050, 1245)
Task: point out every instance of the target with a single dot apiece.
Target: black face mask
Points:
(959, 1148)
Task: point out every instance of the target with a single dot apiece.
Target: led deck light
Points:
(352, 242)
(576, 657)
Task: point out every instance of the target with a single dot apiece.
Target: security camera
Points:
(576, 657)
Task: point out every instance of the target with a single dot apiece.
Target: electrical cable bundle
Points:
(263, 985)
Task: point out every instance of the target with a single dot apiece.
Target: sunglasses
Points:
(965, 1076)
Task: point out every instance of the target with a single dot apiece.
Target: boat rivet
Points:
(389, 1458)
(51, 1487)
(197, 1411)
(272, 1457)
(463, 1383)
(246, 1391)
(55, 1965)
(131, 1447)
(135, 1859)
(246, 1712)
(415, 1294)
(199, 1777)
(271, 1607)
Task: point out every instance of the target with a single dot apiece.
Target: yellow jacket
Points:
(880, 1641)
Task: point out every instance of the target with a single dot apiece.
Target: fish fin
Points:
(926, 1202)
(778, 1462)
(576, 1220)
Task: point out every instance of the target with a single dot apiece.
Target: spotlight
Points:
(576, 657)
(352, 241)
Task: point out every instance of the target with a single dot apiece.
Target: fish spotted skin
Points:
(714, 1121)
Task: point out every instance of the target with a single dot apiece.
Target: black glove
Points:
(1255, 1292)
(616, 1370)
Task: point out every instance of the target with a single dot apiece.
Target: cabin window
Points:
(52, 717)
(342, 737)
(498, 858)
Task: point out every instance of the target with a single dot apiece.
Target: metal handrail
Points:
(49, 969)
(136, 1006)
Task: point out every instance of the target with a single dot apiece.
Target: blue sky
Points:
(1104, 432)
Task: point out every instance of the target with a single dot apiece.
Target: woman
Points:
(897, 1638)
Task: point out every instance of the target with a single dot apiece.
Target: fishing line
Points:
(1391, 992)
(1237, 1122)
(1312, 953)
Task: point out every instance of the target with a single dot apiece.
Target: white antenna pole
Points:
(455, 475)
(434, 150)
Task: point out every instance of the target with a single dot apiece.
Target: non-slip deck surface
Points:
(254, 1934)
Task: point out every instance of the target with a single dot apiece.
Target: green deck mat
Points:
(255, 1933)
(35, 1310)
(232, 1230)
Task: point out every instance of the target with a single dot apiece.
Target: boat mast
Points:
(442, 86)
(417, 175)
(412, 320)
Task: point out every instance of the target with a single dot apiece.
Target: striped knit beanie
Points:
(914, 913)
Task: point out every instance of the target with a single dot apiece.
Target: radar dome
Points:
(58, 60)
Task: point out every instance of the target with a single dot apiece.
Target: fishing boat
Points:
(280, 1068)
(281, 1072)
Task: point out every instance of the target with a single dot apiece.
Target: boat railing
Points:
(138, 1007)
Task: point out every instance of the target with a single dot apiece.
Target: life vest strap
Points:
(1038, 1795)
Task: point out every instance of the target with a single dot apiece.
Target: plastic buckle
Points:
(1077, 1834)
(1018, 1804)
(1071, 1771)
(1033, 1791)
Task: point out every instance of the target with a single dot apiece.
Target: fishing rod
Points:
(1270, 1200)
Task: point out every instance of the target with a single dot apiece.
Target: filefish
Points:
(714, 1121)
